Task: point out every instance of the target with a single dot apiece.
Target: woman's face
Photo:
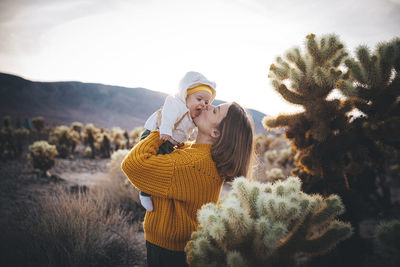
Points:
(210, 117)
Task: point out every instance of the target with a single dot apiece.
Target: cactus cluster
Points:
(38, 123)
(65, 139)
(312, 76)
(276, 157)
(350, 144)
(135, 135)
(262, 143)
(42, 157)
(120, 138)
(12, 139)
(375, 81)
(332, 145)
(266, 225)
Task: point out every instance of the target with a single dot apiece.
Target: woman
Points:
(181, 182)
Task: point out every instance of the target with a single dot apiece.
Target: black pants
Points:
(161, 257)
(165, 148)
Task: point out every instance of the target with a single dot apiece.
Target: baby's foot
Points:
(146, 202)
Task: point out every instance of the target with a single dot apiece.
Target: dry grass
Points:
(72, 230)
(118, 191)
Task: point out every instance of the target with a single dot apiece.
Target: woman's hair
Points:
(233, 151)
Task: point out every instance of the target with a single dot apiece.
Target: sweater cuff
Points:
(154, 136)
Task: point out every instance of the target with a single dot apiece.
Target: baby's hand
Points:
(165, 137)
(179, 145)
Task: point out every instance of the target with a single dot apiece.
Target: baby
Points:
(175, 118)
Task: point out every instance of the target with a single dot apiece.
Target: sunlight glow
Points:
(152, 44)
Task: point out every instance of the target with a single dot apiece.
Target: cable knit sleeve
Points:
(147, 171)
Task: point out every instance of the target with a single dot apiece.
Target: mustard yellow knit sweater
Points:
(180, 183)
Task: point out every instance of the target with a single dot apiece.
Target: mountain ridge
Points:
(64, 102)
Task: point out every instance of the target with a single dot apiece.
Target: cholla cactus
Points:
(20, 136)
(262, 143)
(275, 174)
(103, 143)
(7, 146)
(38, 123)
(120, 138)
(286, 156)
(388, 234)
(7, 121)
(88, 152)
(134, 135)
(266, 225)
(270, 155)
(374, 79)
(41, 157)
(312, 76)
(65, 140)
(77, 127)
(89, 134)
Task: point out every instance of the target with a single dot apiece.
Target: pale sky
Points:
(153, 43)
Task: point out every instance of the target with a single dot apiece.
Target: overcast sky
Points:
(153, 43)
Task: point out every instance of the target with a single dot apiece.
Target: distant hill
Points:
(103, 105)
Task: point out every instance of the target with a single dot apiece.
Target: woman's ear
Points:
(215, 133)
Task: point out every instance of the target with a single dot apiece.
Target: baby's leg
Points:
(145, 200)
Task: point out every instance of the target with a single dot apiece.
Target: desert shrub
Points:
(76, 230)
(266, 225)
(42, 157)
(118, 191)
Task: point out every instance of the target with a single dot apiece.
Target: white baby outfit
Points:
(175, 117)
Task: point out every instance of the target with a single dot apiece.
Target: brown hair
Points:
(232, 152)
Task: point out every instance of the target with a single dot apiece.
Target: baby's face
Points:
(196, 102)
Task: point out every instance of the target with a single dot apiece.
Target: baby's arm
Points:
(165, 137)
(169, 115)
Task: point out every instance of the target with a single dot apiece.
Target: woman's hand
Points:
(165, 137)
